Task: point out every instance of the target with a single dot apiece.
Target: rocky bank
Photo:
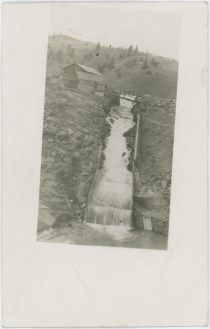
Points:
(153, 167)
(73, 133)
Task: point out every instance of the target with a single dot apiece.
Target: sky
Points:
(118, 25)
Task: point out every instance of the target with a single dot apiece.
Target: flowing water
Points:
(110, 201)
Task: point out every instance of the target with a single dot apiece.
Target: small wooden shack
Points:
(84, 78)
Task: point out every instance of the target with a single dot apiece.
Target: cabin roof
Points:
(89, 69)
(86, 68)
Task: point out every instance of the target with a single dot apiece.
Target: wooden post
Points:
(137, 138)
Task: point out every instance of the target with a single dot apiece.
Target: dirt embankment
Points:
(73, 132)
(152, 170)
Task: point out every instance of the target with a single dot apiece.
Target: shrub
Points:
(154, 62)
(145, 65)
(111, 99)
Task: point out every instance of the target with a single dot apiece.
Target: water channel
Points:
(110, 201)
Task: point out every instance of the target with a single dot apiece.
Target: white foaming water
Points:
(111, 200)
(119, 233)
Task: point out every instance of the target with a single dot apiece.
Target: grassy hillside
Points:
(124, 69)
(72, 134)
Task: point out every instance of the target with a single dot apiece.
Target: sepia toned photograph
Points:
(104, 185)
(108, 126)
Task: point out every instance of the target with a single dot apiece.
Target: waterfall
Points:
(108, 215)
(110, 202)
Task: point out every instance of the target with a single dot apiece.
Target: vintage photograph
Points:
(108, 126)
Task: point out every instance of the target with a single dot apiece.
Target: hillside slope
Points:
(124, 69)
(153, 168)
(72, 133)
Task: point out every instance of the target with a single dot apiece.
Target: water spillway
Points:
(110, 200)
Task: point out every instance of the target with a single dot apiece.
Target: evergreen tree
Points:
(98, 47)
(154, 62)
(130, 51)
(145, 63)
(122, 54)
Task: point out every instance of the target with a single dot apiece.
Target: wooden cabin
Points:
(84, 78)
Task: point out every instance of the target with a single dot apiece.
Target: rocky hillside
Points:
(153, 167)
(74, 126)
(124, 69)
